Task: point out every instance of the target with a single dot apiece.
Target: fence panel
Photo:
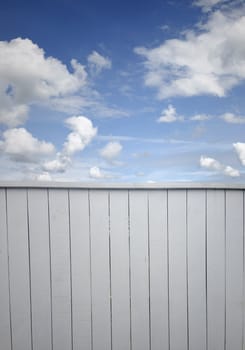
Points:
(60, 269)
(5, 321)
(158, 248)
(120, 274)
(216, 269)
(117, 268)
(40, 268)
(196, 248)
(80, 269)
(139, 259)
(100, 270)
(177, 270)
(19, 269)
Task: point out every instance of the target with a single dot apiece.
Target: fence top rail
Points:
(102, 185)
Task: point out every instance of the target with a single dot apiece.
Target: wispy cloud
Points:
(233, 118)
(97, 63)
(216, 166)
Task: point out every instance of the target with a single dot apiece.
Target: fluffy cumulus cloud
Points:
(111, 150)
(240, 150)
(97, 62)
(210, 163)
(169, 115)
(19, 145)
(28, 76)
(82, 133)
(208, 60)
(58, 165)
(215, 165)
(95, 173)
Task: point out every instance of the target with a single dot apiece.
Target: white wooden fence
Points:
(121, 267)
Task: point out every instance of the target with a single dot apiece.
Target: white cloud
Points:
(28, 76)
(58, 165)
(96, 173)
(207, 60)
(232, 118)
(169, 115)
(210, 163)
(214, 165)
(21, 146)
(207, 5)
(240, 150)
(200, 117)
(98, 62)
(111, 151)
(13, 115)
(82, 134)
(44, 176)
(231, 171)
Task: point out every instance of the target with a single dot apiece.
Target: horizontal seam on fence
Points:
(111, 186)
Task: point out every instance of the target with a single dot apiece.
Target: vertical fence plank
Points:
(19, 268)
(177, 269)
(119, 235)
(5, 323)
(40, 268)
(80, 266)
(139, 269)
(196, 224)
(100, 270)
(158, 247)
(216, 268)
(60, 268)
(234, 269)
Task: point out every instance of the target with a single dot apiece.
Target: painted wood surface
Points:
(196, 256)
(216, 269)
(19, 269)
(60, 269)
(139, 262)
(120, 283)
(5, 318)
(178, 293)
(38, 218)
(122, 268)
(100, 270)
(80, 269)
(158, 269)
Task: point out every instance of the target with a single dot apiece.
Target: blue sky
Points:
(136, 91)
